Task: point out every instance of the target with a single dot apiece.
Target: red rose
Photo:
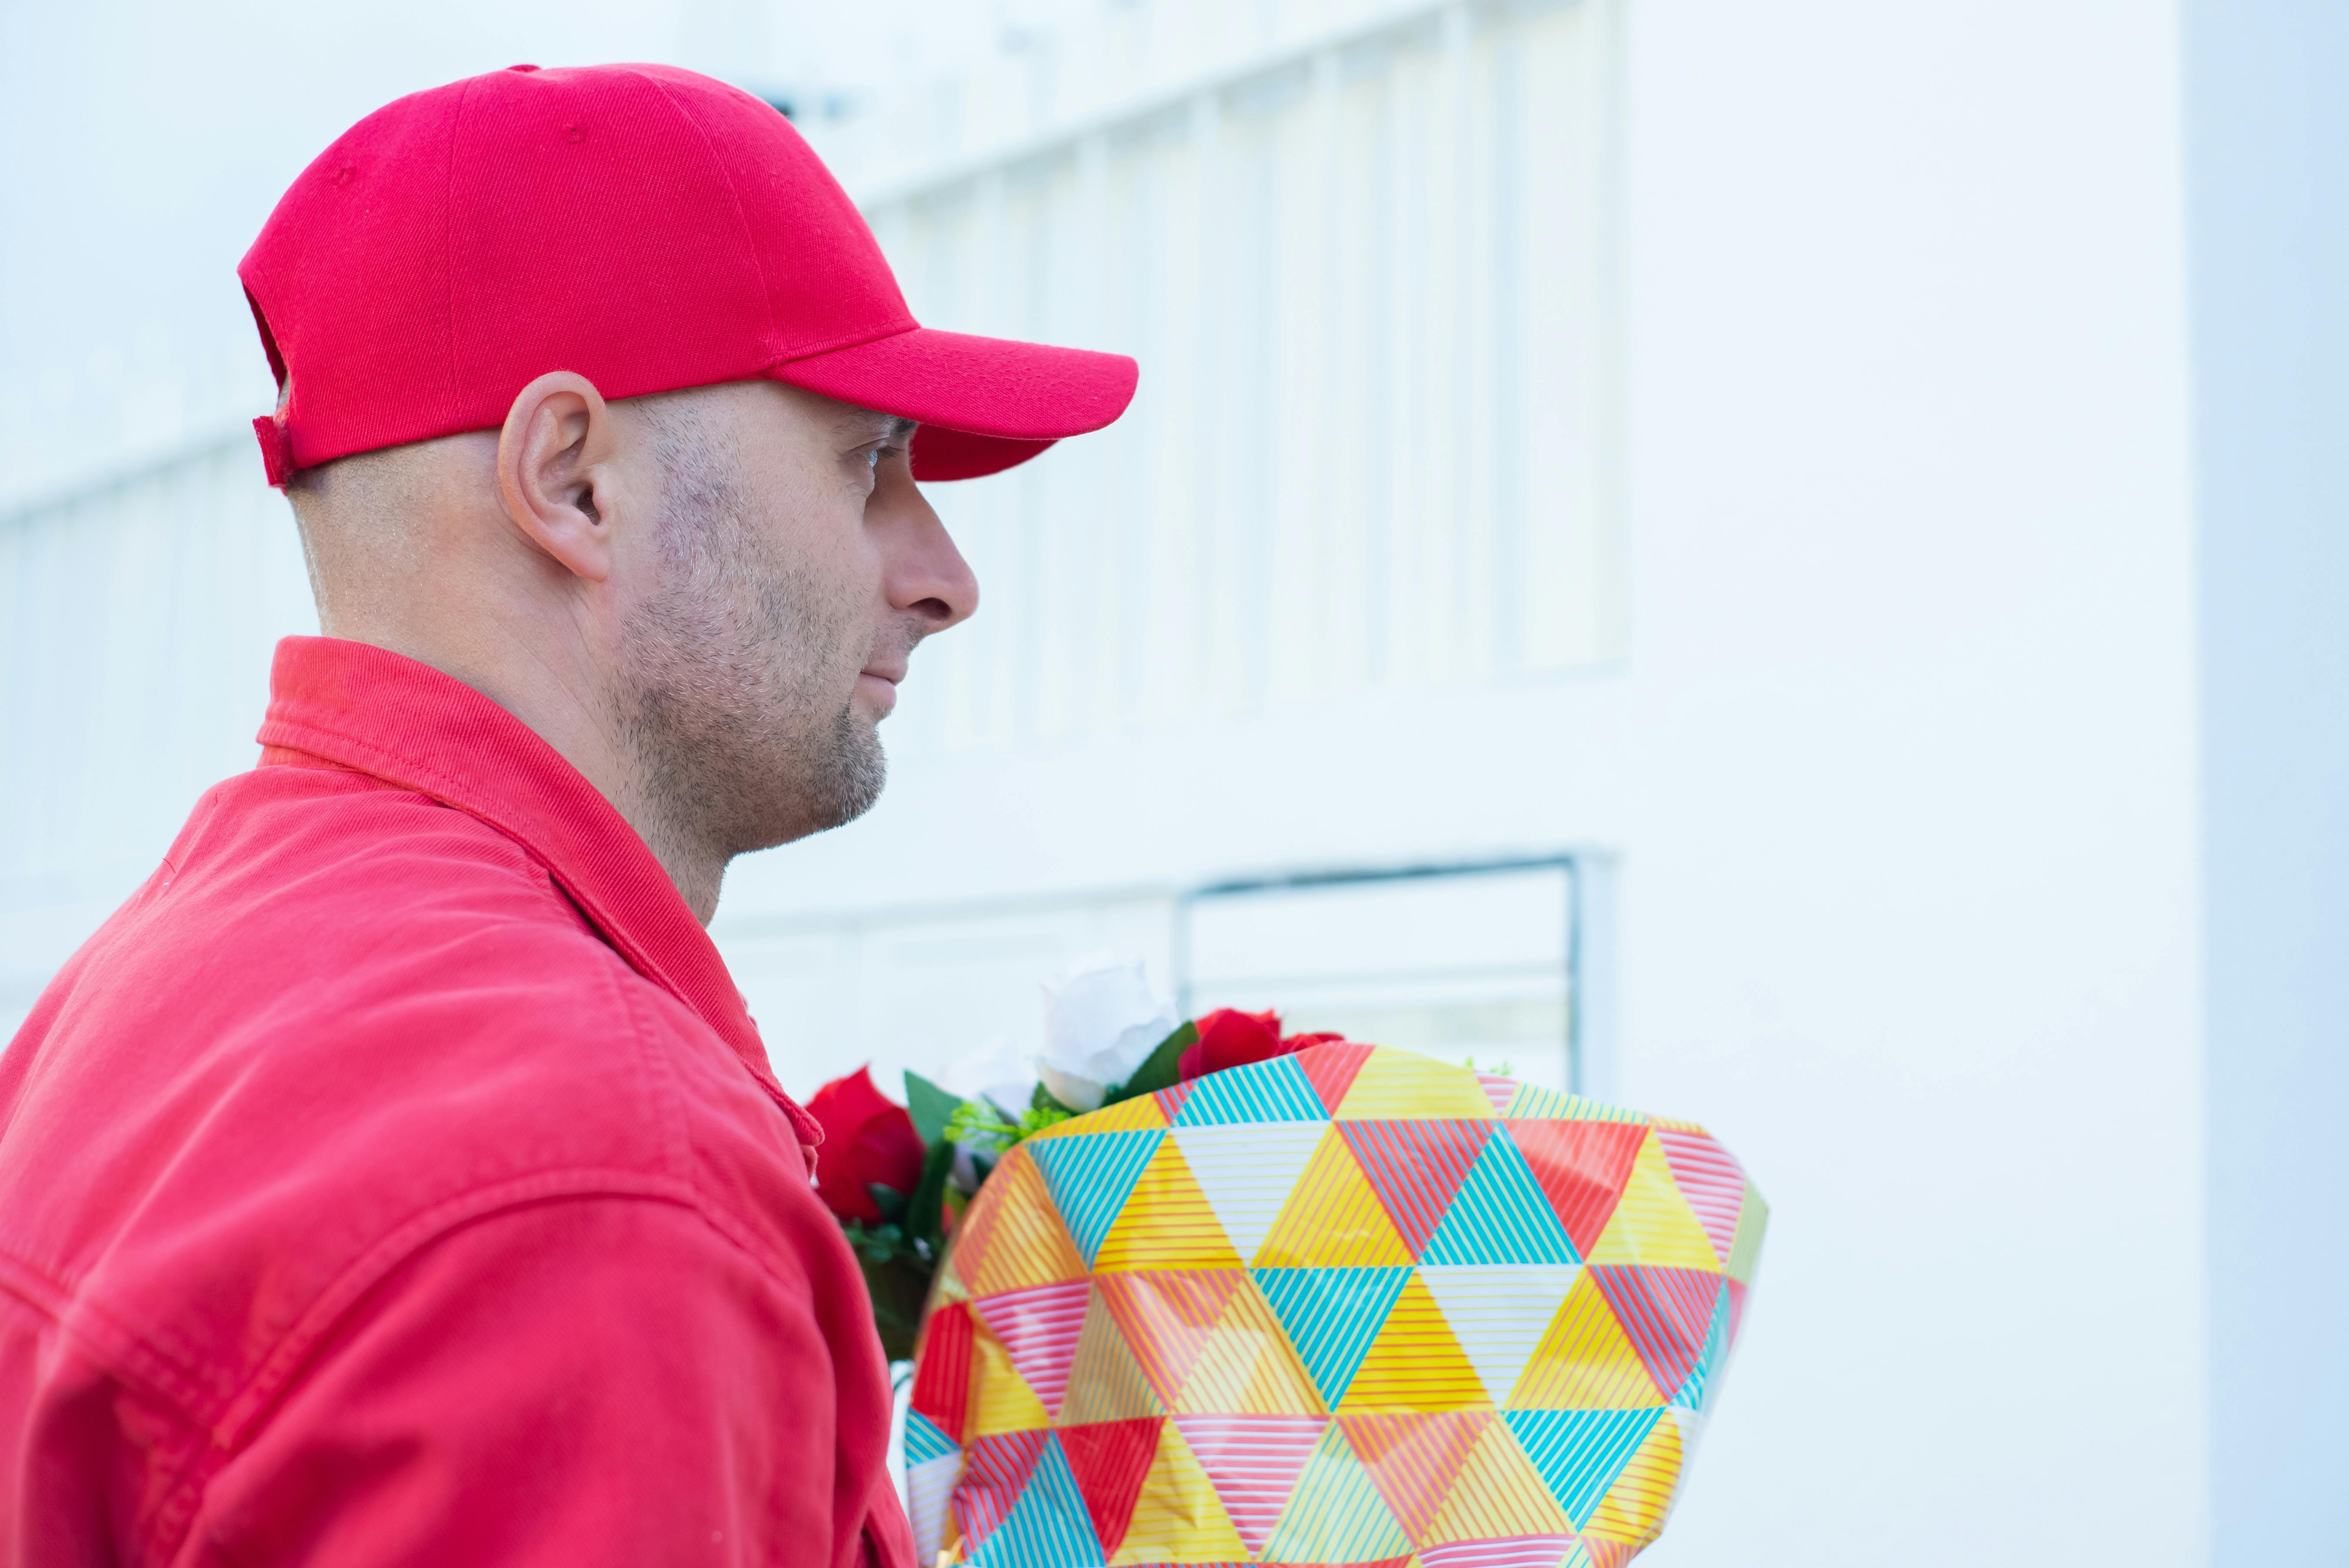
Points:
(1306, 1042)
(1231, 1038)
(867, 1140)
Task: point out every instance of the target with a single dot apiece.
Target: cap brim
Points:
(985, 403)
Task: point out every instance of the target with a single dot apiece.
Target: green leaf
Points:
(889, 1200)
(1159, 1069)
(929, 1193)
(929, 1106)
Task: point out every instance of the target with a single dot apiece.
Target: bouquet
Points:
(899, 1177)
(1320, 1302)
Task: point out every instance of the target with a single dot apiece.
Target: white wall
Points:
(1898, 764)
(2268, 91)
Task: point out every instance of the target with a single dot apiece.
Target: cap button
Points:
(521, 67)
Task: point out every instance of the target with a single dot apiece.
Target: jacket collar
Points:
(380, 713)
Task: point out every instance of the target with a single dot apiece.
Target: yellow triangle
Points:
(1746, 1248)
(1000, 1399)
(1178, 1518)
(1584, 1362)
(1396, 1084)
(1497, 1494)
(1166, 1223)
(1105, 1382)
(1023, 1241)
(1534, 1103)
(1247, 1368)
(1415, 1364)
(1333, 1219)
(1653, 1223)
(1633, 1508)
(1137, 1115)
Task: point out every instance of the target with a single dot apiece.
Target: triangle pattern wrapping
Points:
(924, 1441)
(1633, 1508)
(1581, 1452)
(1109, 1460)
(1499, 1313)
(1694, 1393)
(1334, 1218)
(995, 1472)
(1166, 1223)
(1169, 1100)
(942, 1370)
(1247, 1367)
(1416, 1168)
(1417, 1362)
(1753, 1217)
(1666, 1313)
(930, 1495)
(1038, 1327)
(1412, 1457)
(1024, 1242)
(1581, 1166)
(1500, 1215)
(1335, 1514)
(1653, 1223)
(1509, 1552)
(1398, 1085)
(1000, 1399)
(1166, 1319)
(1605, 1554)
(1577, 1557)
(1247, 1173)
(1140, 1114)
(1049, 1527)
(1330, 1317)
(1274, 1090)
(1711, 1182)
(1736, 1291)
(1090, 1177)
(1497, 1496)
(1105, 1382)
(1512, 1552)
(1532, 1102)
(1330, 1068)
(1584, 1361)
(1498, 1090)
(1253, 1462)
(1177, 1517)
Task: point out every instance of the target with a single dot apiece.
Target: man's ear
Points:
(555, 471)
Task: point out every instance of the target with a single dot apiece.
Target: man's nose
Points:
(927, 577)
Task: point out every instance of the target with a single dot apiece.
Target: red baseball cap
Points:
(646, 227)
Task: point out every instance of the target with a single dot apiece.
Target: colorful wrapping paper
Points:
(1351, 1306)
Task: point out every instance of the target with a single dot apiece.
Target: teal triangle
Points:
(1276, 1090)
(1090, 1175)
(1694, 1393)
(1331, 1315)
(1500, 1214)
(1581, 1452)
(1049, 1526)
(925, 1439)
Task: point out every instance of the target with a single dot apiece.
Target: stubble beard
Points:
(736, 668)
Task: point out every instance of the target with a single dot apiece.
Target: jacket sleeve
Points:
(580, 1382)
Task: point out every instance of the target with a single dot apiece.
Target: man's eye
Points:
(872, 457)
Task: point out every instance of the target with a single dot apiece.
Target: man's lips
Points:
(884, 685)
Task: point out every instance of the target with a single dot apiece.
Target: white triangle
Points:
(1499, 1312)
(1246, 1173)
(929, 1487)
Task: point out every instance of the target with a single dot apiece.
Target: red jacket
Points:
(397, 1177)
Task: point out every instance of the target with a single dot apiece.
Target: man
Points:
(397, 1177)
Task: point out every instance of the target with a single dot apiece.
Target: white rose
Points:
(1102, 1021)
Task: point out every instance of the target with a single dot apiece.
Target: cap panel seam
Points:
(733, 197)
(835, 345)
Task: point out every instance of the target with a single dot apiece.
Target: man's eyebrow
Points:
(896, 428)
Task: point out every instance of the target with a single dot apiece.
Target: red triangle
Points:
(1736, 1305)
(1582, 1166)
(1711, 1180)
(1166, 1315)
(1666, 1313)
(1607, 1553)
(1417, 1167)
(1039, 1327)
(1331, 1068)
(942, 1369)
(1253, 1462)
(1170, 1099)
(1111, 1459)
(995, 1472)
(1414, 1457)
